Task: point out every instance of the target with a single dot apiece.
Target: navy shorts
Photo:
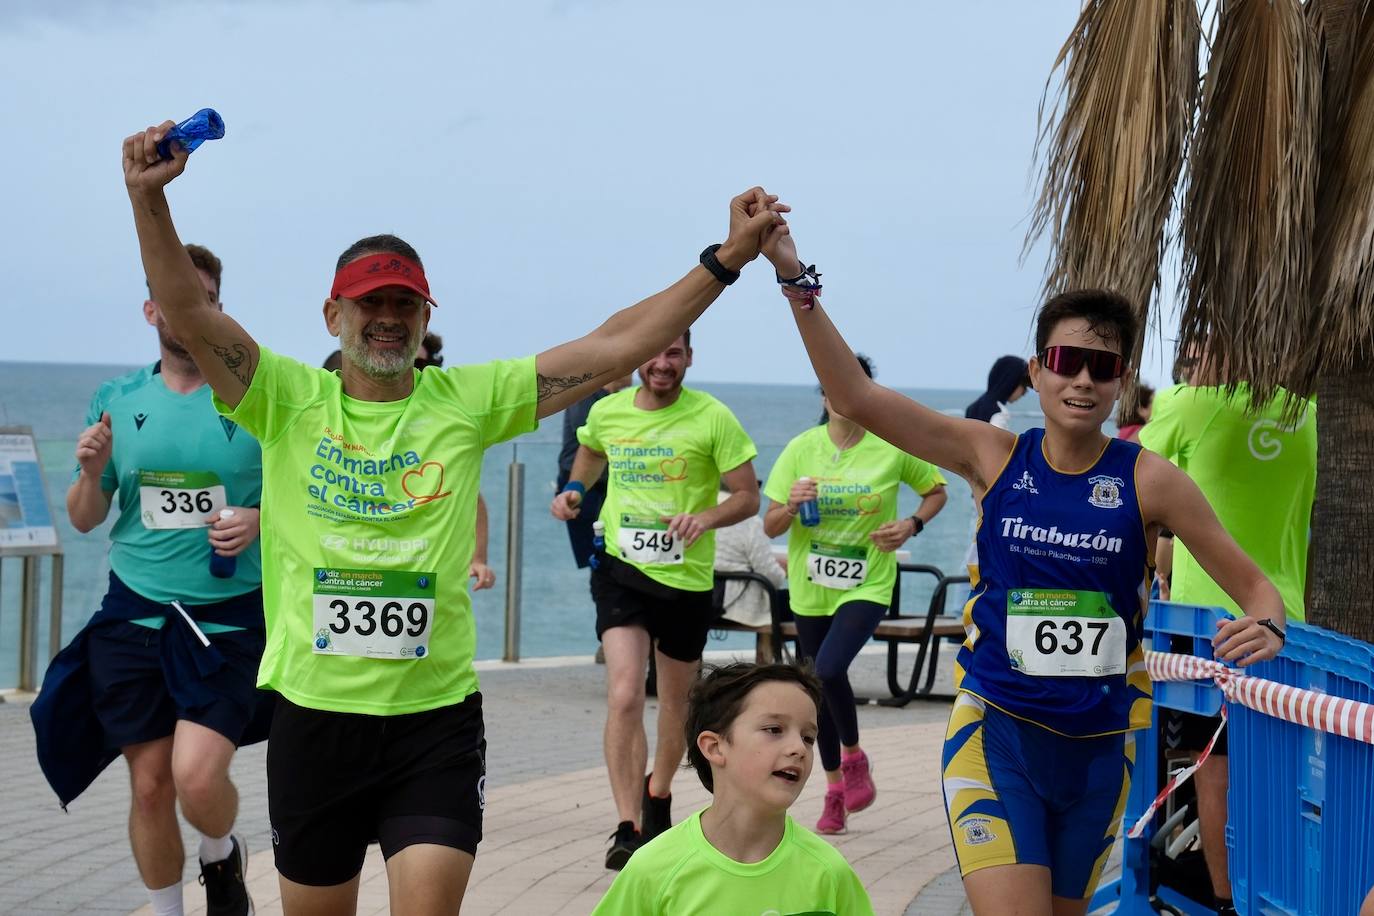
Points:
(135, 702)
(1017, 793)
(337, 781)
(678, 621)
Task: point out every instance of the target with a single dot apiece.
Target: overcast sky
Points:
(552, 161)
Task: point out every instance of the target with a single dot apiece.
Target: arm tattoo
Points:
(235, 358)
(552, 385)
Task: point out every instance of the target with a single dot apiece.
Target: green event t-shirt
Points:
(368, 527)
(858, 494)
(172, 458)
(1258, 471)
(662, 463)
(679, 873)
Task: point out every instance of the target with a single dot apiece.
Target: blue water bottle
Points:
(809, 511)
(205, 124)
(598, 543)
(223, 567)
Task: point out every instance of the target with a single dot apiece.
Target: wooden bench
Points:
(926, 631)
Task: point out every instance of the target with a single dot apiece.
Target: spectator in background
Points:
(743, 547)
(1144, 403)
(1258, 469)
(580, 528)
(1008, 379)
(428, 354)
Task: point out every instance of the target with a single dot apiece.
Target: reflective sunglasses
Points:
(1103, 365)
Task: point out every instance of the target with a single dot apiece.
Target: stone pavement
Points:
(548, 811)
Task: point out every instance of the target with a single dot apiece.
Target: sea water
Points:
(556, 609)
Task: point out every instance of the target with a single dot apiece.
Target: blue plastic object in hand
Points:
(205, 124)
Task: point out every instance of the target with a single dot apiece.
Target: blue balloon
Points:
(205, 124)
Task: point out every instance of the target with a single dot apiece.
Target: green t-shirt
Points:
(368, 528)
(173, 462)
(835, 561)
(679, 873)
(662, 463)
(1258, 472)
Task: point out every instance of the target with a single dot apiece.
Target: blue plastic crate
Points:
(1300, 806)
(1185, 629)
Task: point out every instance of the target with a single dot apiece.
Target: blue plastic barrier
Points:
(1301, 809)
(1163, 624)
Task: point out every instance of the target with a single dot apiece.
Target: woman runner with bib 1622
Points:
(841, 570)
(1052, 681)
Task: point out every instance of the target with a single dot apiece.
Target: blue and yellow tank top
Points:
(1054, 620)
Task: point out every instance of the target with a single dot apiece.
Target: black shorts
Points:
(337, 781)
(134, 701)
(677, 620)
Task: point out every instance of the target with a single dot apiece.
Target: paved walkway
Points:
(548, 811)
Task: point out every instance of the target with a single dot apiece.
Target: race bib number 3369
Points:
(373, 613)
(1064, 633)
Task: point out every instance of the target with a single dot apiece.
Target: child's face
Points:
(770, 747)
(1078, 403)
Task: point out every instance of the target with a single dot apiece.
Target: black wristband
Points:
(717, 269)
(1272, 628)
(920, 525)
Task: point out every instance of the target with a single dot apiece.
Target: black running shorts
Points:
(677, 620)
(339, 781)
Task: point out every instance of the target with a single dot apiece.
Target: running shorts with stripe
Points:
(1017, 793)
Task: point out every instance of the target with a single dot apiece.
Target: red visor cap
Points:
(374, 271)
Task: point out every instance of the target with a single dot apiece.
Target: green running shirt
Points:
(662, 463)
(679, 873)
(858, 494)
(368, 529)
(170, 449)
(1258, 472)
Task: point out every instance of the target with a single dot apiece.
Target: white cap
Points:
(598, 527)
(226, 513)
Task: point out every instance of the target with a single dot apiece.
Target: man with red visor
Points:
(370, 484)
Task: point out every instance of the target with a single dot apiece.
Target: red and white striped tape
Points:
(1334, 715)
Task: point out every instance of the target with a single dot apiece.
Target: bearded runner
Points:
(379, 734)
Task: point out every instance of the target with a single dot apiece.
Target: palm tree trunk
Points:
(1341, 555)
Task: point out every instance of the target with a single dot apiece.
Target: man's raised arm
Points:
(223, 351)
(569, 372)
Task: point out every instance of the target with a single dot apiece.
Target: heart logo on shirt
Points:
(427, 481)
(870, 503)
(673, 468)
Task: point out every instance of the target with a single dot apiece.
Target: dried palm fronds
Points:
(1112, 147)
(1249, 211)
(1340, 331)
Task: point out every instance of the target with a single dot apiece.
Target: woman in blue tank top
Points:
(1051, 678)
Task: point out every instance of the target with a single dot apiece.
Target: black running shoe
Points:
(656, 814)
(624, 842)
(225, 892)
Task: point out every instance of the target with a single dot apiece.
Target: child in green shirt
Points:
(751, 734)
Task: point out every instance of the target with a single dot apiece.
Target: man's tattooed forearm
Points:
(552, 385)
(235, 358)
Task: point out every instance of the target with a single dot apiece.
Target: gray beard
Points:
(381, 367)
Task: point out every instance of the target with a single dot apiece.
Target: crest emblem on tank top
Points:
(1106, 493)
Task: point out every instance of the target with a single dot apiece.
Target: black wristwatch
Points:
(1269, 625)
(717, 269)
(920, 525)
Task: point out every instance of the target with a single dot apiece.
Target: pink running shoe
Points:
(859, 790)
(832, 817)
